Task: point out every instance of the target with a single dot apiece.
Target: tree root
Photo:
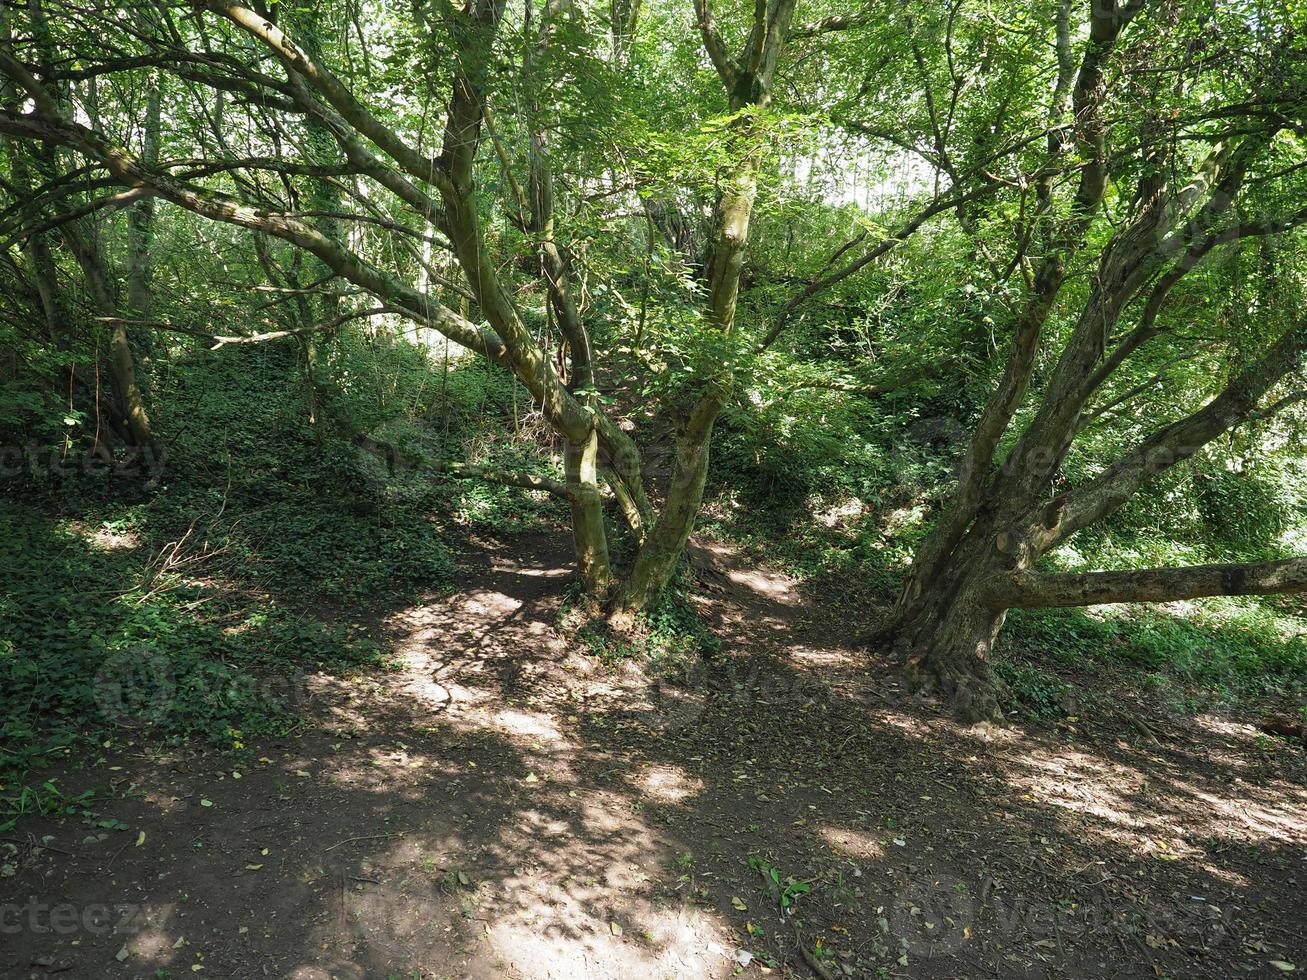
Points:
(976, 695)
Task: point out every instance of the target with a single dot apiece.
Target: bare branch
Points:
(1038, 590)
(901, 234)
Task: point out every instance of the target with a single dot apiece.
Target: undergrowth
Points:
(669, 641)
(190, 602)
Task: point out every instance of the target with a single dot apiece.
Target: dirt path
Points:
(504, 806)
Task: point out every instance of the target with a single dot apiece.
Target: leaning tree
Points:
(1176, 147)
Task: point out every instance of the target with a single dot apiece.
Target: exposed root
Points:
(974, 692)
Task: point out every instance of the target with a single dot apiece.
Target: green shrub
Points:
(1244, 511)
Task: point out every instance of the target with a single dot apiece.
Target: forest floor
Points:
(504, 805)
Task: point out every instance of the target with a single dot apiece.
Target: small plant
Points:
(1039, 693)
(454, 880)
(670, 640)
(785, 890)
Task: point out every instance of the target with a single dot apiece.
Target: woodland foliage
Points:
(1001, 306)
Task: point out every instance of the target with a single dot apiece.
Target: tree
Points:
(1185, 129)
(604, 200)
(125, 415)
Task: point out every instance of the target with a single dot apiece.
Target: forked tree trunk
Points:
(129, 402)
(948, 628)
(412, 175)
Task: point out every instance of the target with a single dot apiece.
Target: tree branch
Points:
(511, 478)
(332, 89)
(828, 25)
(1174, 443)
(713, 44)
(221, 340)
(901, 234)
(1039, 590)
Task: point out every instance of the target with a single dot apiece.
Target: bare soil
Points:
(504, 805)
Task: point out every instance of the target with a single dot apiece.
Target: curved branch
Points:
(1177, 442)
(332, 89)
(714, 45)
(220, 207)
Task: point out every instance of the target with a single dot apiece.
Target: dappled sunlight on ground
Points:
(502, 805)
(854, 843)
(103, 537)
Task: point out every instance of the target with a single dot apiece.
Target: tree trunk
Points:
(580, 465)
(140, 226)
(656, 561)
(946, 628)
(129, 402)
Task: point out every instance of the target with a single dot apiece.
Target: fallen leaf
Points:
(206, 802)
(739, 903)
(615, 928)
(140, 838)
(1283, 965)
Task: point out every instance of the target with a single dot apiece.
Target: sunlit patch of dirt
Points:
(854, 843)
(103, 538)
(668, 784)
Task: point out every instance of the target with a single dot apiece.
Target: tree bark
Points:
(129, 401)
(656, 561)
(1036, 590)
(580, 462)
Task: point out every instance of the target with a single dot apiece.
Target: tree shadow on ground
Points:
(503, 806)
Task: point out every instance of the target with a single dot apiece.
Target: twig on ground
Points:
(349, 840)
